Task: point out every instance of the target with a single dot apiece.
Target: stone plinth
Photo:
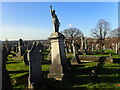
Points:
(59, 65)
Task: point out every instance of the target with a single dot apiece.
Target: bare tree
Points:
(116, 34)
(71, 34)
(100, 31)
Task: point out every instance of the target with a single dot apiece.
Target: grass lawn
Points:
(78, 77)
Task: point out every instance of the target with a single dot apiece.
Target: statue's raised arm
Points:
(51, 8)
(55, 20)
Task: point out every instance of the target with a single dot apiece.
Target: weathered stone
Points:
(83, 58)
(66, 49)
(59, 63)
(49, 56)
(25, 58)
(109, 59)
(74, 48)
(82, 51)
(35, 70)
(41, 49)
(30, 46)
(82, 42)
(21, 47)
(6, 82)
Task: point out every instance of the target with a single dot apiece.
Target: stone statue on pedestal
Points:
(59, 65)
(55, 20)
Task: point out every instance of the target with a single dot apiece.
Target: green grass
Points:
(110, 51)
(16, 65)
(78, 77)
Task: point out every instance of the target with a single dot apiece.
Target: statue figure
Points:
(55, 20)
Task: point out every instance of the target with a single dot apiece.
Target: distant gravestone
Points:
(82, 42)
(14, 48)
(116, 48)
(6, 82)
(74, 48)
(21, 47)
(41, 49)
(25, 58)
(119, 52)
(66, 49)
(49, 56)
(30, 46)
(109, 60)
(35, 70)
(17, 48)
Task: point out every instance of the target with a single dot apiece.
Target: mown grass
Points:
(78, 77)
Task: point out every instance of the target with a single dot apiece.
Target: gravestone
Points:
(74, 48)
(109, 59)
(21, 47)
(86, 47)
(30, 46)
(41, 49)
(14, 48)
(82, 42)
(82, 50)
(25, 58)
(66, 47)
(93, 48)
(116, 48)
(49, 56)
(59, 64)
(35, 70)
(17, 49)
(6, 82)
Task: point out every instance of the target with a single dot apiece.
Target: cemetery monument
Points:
(59, 64)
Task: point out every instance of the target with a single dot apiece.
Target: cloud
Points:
(69, 25)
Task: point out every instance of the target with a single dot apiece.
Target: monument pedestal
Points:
(59, 64)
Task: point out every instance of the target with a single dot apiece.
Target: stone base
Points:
(109, 60)
(82, 52)
(74, 61)
(56, 72)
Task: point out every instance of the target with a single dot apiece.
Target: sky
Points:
(32, 20)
